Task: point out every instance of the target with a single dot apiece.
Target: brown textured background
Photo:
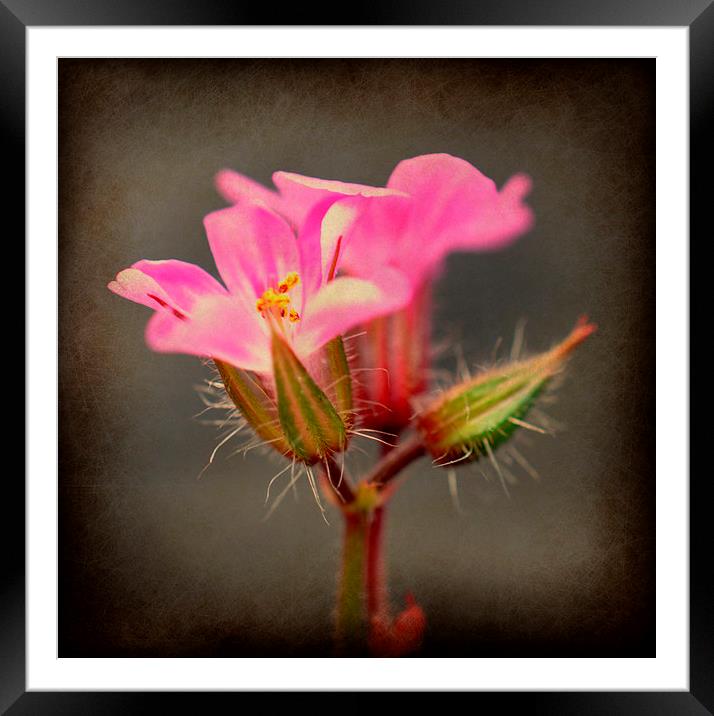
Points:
(154, 562)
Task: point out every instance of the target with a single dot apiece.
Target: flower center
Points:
(276, 301)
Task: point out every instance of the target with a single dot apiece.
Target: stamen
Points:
(277, 302)
(292, 279)
(335, 256)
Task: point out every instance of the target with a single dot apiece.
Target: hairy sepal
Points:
(255, 405)
(311, 424)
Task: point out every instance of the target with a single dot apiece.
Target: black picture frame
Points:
(698, 15)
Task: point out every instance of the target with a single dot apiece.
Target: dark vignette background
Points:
(154, 562)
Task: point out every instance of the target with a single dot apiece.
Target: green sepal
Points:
(256, 406)
(338, 369)
(310, 422)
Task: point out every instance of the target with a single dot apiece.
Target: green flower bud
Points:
(473, 417)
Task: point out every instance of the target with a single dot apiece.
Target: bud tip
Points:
(582, 329)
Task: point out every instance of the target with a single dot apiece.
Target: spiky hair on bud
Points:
(472, 418)
(241, 405)
(250, 404)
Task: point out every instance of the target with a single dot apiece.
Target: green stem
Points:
(377, 602)
(351, 606)
(363, 595)
(362, 599)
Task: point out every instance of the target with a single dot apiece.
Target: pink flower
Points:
(433, 204)
(272, 282)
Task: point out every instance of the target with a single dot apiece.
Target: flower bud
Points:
(311, 425)
(473, 417)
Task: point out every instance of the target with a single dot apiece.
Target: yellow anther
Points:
(292, 279)
(278, 302)
(271, 299)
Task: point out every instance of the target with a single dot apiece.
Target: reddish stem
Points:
(396, 460)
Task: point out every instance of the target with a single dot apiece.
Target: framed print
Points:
(323, 453)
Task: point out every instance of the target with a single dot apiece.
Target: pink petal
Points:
(457, 207)
(347, 302)
(501, 221)
(356, 234)
(311, 249)
(375, 237)
(253, 247)
(302, 193)
(237, 188)
(219, 327)
(361, 236)
(423, 175)
(323, 239)
(161, 284)
(334, 231)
